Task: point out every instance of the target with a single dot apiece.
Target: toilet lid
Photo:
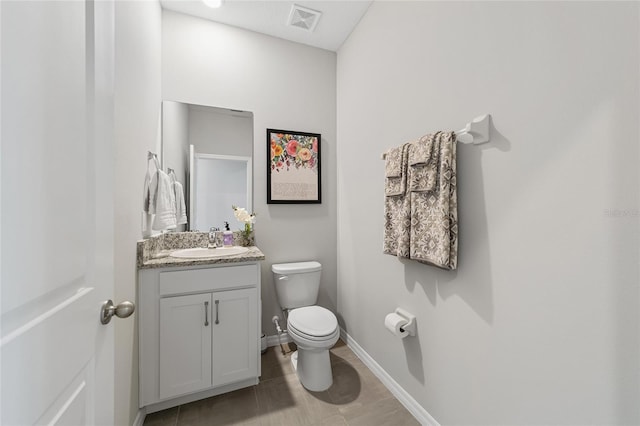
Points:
(313, 321)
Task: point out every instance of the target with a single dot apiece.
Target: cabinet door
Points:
(185, 344)
(235, 335)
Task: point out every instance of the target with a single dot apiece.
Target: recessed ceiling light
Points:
(214, 4)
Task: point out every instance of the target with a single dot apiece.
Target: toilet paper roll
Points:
(394, 324)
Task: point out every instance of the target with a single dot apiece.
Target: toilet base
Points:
(313, 368)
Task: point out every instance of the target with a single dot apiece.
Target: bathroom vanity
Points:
(199, 326)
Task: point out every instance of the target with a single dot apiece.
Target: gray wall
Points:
(286, 86)
(221, 131)
(539, 325)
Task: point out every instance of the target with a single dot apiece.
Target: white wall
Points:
(137, 121)
(287, 86)
(539, 324)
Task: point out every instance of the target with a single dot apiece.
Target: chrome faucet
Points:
(214, 233)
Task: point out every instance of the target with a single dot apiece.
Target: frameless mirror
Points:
(210, 150)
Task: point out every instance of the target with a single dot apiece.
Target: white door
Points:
(56, 212)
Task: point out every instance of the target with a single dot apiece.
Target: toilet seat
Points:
(313, 323)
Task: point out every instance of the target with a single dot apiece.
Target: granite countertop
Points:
(154, 252)
(163, 259)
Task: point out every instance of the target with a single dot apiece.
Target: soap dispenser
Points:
(227, 239)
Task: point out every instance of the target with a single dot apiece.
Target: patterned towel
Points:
(424, 156)
(396, 171)
(397, 211)
(434, 213)
(422, 224)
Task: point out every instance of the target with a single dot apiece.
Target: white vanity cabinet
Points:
(185, 345)
(199, 332)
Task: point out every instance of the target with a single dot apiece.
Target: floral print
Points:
(289, 150)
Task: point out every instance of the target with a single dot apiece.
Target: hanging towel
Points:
(181, 208)
(397, 211)
(163, 202)
(146, 192)
(423, 163)
(434, 213)
(149, 189)
(396, 171)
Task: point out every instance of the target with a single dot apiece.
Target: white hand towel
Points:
(149, 190)
(153, 193)
(181, 208)
(164, 203)
(146, 195)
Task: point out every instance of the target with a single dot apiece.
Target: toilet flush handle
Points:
(283, 278)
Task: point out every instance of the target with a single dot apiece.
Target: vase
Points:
(245, 239)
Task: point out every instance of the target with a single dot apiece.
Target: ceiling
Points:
(338, 19)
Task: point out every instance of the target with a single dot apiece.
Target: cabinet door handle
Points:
(206, 313)
(217, 304)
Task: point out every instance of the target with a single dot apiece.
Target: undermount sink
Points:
(207, 253)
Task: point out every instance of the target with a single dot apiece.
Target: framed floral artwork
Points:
(293, 171)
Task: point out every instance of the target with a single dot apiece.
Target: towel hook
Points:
(153, 156)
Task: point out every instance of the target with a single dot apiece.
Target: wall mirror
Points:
(210, 150)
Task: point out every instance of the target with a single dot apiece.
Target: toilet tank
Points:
(296, 284)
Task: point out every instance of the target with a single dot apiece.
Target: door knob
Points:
(123, 310)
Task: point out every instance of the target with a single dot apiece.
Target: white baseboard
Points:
(273, 340)
(403, 396)
(139, 420)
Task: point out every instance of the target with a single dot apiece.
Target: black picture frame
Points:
(293, 167)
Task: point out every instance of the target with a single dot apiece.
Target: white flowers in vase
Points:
(242, 215)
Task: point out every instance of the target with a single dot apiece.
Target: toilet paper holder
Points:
(410, 326)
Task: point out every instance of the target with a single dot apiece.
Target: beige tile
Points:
(284, 401)
(341, 353)
(356, 397)
(336, 420)
(162, 418)
(235, 408)
(347, 384)
(387, 412)
(355, 386)
(275, 363)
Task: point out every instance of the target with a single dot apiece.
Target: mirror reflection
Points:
(210, 150)
(226, 176)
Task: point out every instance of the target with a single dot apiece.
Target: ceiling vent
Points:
(304, 18)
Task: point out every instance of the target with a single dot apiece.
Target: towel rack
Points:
(476, 132)
(172, 174)
(153, 156)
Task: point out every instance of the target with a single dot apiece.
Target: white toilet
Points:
(313, 329)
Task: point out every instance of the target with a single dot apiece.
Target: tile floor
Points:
(356, 397)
